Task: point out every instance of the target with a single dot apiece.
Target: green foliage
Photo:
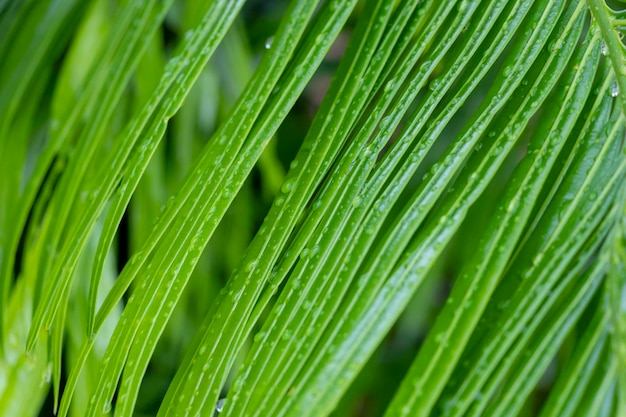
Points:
(187, 228)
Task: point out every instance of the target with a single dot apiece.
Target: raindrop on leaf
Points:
(220, 405)
(287, 185)
(259, 337)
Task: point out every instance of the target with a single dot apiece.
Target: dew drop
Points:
(48, 374)
(441, 339)
(390, 85)
(434, 84)
(220, 405)
(287, 185)
(615, 90)
(259, 337)
(250, 266)
(268, 42)
(512, 205)
(603, 49)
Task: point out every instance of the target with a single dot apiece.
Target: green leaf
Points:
(312, 208)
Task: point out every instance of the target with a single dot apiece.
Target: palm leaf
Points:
(475, 145)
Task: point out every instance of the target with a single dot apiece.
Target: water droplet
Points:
(441, 339)
(512, 205)
(250, 266)
(278, 308)
(556, 45)
(603, 49)
(287, 185)
(506, 71)
(390, 85)
(259, 337)
(48, 374)
(235, 296)
(220, 405)
(615, 90)
(268, 42)
(434, 84)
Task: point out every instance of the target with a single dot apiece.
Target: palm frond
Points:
(469, 148)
